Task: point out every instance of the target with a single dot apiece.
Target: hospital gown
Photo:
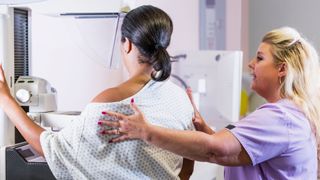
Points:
(79, 151)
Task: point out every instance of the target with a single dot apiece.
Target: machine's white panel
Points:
(6, 59)
(72, 54)
(215, 78)
(56, 7)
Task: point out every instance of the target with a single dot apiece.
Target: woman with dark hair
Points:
(81, 150)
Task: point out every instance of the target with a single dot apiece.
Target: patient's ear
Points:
(127, 45)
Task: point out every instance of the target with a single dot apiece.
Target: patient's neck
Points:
(141, 74)
(138, 80)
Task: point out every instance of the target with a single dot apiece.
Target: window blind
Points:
(21, 43)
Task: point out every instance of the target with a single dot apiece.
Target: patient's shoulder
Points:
(119, 93)
(110, 95)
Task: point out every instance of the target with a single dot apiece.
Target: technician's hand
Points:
(4, 89)
(128, 127)
(197, 120)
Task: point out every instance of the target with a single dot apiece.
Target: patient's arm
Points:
(29, 130)
(187, 169)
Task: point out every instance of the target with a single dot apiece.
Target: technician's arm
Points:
(221, 147)
(29, 130)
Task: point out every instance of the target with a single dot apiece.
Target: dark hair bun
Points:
(149, 29)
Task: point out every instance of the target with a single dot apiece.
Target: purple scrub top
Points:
(279, 141)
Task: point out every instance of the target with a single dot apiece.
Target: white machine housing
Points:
(36, 93)
(215, 79)
(7, 131)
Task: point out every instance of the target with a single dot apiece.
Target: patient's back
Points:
(80, 152)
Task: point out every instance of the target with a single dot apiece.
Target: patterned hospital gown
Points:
(80, 152)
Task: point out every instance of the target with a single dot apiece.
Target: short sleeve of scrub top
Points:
(264, 133)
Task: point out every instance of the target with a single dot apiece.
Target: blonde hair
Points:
(301, 83)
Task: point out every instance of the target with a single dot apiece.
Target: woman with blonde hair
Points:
(276, 141)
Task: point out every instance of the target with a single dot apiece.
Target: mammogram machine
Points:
(87, 39)
(215, 79)
(40, 97)
(21, 161)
